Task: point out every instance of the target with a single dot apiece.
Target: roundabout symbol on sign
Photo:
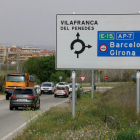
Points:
(103, 48)
(82, 43)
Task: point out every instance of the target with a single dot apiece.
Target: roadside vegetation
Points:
(104, 84)
(110, 115)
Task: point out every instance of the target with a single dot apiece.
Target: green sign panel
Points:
(107, 36)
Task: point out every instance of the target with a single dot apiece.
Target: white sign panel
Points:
(101, 41)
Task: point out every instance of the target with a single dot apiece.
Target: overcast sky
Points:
(25, 22)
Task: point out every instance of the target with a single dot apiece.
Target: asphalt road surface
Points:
(11, 120)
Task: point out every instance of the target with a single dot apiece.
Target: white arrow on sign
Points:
(83, 78)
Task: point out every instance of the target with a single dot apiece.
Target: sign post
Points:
(60, 77)
(92, 81)
(98, 80)
(73, 93)
(138, 91)
(106, 78)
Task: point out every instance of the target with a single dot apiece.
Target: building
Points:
(30, 49)
(25, 56)
(47, 53)
(2, 54)
(20, 54)
(14, 57)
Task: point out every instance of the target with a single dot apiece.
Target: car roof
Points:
(75, 83)
(62, 82)
(47, 82)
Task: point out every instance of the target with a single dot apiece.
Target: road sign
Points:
(60, 77)
(133, 76)
(83, 78)
(106, 77)
(73, 74)
(90, 42)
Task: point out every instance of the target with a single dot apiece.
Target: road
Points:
(11, 120)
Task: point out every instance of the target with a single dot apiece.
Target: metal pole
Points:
(121, 75)
(137, 91)
(92, 84)
(73, 94)
(98, 80)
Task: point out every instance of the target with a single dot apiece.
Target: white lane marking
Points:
(10, 134)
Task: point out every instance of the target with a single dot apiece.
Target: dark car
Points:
(24, 97)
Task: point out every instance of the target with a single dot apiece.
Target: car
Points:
(76, 87)
(47, 87)
(24, 97)
(38, 89)
(62, 84)
(61, 91)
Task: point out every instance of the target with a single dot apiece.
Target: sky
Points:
(33, 22)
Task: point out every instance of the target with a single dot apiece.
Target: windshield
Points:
(13, 78)
(60, 84)
(60, 88)
(46, 85)
(25, 92)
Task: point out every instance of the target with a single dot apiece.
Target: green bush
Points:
(79, 92)
(2, 84)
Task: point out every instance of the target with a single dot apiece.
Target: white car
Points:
(38, 89)
(76, 87)
(62, 84)
(47, 87)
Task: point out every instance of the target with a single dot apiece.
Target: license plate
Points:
(21, 99)
(46, 91)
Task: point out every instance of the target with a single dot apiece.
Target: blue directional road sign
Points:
(118, 44)
(133, 76)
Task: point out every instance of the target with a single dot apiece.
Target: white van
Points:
(47, 87)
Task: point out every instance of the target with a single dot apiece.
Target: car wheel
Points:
(7, 97)
(54, 95)
(11, 108)
(16, 108)
(68, 95)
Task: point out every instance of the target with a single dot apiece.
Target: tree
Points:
(55, 76)
(44, 68)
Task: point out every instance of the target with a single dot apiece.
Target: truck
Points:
(13, 80)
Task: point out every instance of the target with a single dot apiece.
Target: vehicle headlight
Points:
(6, 89)
(41, 88)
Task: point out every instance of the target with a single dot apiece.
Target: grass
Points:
(2, 93)
(110, 115)
(104, 84)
